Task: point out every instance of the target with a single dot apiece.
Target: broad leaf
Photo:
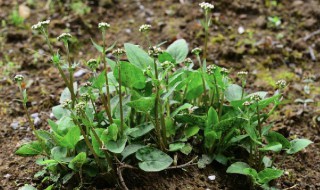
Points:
(77, 162)
(131, 75)
(141, 130)
(297, 145)
(143, 104)
(268, 174)
(238, 168)
(274, 146)
(138, 56)
(277, 137)
(116, 146)
(130, 149)
(30, 149)
(176, 146)
(152, 159)
(178, 50)
(233, 92)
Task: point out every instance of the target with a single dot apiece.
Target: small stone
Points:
(37, 121)
(241, 30)
(34, 115)
(79, 73)
(7, 176)
(14, 125)
(52, 116)
(211, 177)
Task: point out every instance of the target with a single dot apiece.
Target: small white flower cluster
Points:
(40, 25)
(118, 52)
(66, 103)
(211, 69)
(196, 51)
(281, 84)
(145, 28)
(206, 6)
(18, 78)
(242, 74)
(87, 84)
(79, 108)
(188, 61)
(256, 98)
(92, 64)
(85, 96)
(224, 71)
(246, 103)
(155, 51)
(64, 36)
(103, 25)
(166, 64)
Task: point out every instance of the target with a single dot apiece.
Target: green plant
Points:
(146, 111)
(80, 8)
(306, 89)
(274, 21)
(15, 18)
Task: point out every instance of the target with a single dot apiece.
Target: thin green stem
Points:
(120, 99)
(71, 88)
(221, 106)
(102, 59)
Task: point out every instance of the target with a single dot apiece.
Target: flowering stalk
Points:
(118, 53)
(103, 27)
(207, 22)
(197, 52)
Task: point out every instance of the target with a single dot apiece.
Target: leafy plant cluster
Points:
(150, 111)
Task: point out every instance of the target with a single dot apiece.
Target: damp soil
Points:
(290, 51)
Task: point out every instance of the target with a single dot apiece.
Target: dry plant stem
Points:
(156, 114)
(120, 99)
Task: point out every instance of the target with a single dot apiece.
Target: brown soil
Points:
(279, 53)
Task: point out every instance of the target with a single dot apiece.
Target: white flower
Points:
(210, 69)
(64, 36)
(256, 97)
(145, 28)
(80, 107)
(118, 51)
(196, 50)
(206, 6)
(246, 103)
(155, 51)
(103, 25)
(281, 84)
(224, 71)
(92, 64)
(18, 78)
(40, 25)
(242, 74)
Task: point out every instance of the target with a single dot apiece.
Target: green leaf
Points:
(183, 107)
(131, 75)
(49, 187)
(186, 149)
(27, 187)
(99, 81)
(30, 149)
(59, 153)
(166, 57)
(176, 146)
(297, 145)
(204, 161)
(98, 47)
(141, 130)
(110, 134)
(191, 131)
(66, 95)
(71, 138)
(143, 104)
(78, 161)
(59, 112)
(233, 92)
(130, 149)
(195, 86)
(212, 119)
(251, 172)
(116, 146)
(178, 50)
(238, 168)
(274, 146)
(268, 174)
(170, 126)
(95, 142)
(152, 159)
(277, 137)
(210, 138)
(138, 56)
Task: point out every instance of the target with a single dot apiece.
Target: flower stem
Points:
(120, 99)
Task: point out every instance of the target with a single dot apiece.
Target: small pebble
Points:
(211, 177)
(14, 125)
(79, 73)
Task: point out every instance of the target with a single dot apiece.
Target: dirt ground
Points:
(290, 51)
